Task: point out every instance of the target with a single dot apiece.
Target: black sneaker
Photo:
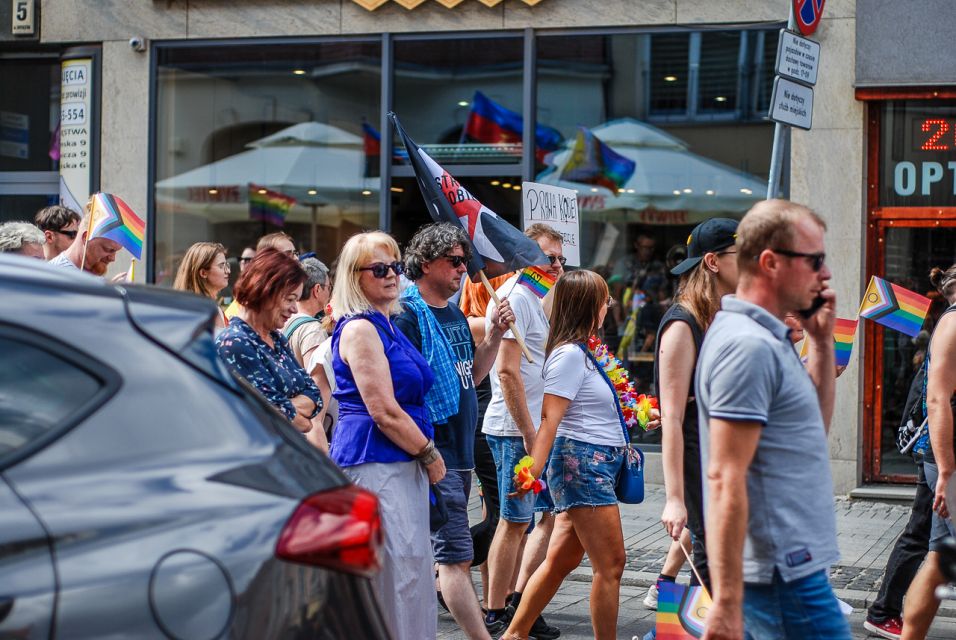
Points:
(541, 630)
(500, 623)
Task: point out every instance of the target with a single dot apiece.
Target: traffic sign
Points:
(807, 14)
(797, 58)
(791, 103)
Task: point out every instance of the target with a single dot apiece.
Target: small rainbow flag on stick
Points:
(537, 280)
(114, 219)
(844, 333)
(268, 205)
(895, 307)
(681, 611)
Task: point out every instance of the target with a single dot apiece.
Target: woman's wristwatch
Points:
(428, 454)
(315, 412)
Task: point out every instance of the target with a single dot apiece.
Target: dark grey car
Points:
(147, 493)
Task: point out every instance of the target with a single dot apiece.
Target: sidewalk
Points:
(866, 532)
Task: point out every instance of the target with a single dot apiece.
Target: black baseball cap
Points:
(711, 235)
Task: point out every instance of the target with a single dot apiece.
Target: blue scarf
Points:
(442, 398)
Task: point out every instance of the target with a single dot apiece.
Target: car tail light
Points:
(338, 529)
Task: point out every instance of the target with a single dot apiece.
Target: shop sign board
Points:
(807, 14)
(798, 58)
(14, 135)
(76, 99)
(791, 103)
(557, 207)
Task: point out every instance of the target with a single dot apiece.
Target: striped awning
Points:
(372, 5)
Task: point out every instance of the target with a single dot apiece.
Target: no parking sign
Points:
(807, 14)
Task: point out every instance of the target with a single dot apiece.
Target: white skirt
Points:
(406, 584)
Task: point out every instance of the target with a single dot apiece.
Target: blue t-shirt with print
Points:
(455, 439)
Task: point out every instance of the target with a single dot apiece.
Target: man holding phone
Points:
(764, 418)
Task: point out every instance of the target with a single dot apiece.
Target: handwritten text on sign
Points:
(558, 208)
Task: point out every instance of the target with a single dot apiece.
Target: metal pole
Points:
(776, 161)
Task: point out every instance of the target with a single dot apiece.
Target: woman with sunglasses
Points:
(205, 272)
(253, 344)
(383, 439)
(581, 432)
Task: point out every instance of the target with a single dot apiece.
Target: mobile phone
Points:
(807, 313)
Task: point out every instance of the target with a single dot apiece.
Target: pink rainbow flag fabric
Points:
(114, 219)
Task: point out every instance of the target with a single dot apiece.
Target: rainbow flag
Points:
(537, 280)
(114, 219)
(844, 332)
(593, 162)
(268, 206)
(895, 307)
(493, 123)
(681, 611)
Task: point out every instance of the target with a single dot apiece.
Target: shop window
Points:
(294, 122)
(461, 98)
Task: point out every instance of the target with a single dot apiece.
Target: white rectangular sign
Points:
(76, 98)
(798, 58)
(791, 103)
(556, 207)
(24, 23)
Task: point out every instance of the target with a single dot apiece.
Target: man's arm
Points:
(487, 350)
(512, 389)
(732, 448)
(940, 383)
(821, 363)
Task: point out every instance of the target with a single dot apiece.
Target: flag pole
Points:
(89, 228)
(694, 569)
(511, 325)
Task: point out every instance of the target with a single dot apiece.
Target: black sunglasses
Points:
(560, 259)
(69, 234)
(380, 269)
(816, 259)
(246, 259)
(456, 261)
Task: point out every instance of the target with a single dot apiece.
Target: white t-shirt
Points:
(533, 326)
(63, 262)
(592, 415)
(322, 356)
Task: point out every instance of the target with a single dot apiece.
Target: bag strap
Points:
(298, 322)
(617, 403)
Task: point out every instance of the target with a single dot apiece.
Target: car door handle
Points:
(6, 606)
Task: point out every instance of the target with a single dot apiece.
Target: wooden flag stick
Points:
(511, 325)
(694, 569)
(86, 242)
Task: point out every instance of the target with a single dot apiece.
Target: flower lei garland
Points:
(523, 477)
(635, 407)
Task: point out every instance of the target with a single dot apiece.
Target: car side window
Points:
(39, 393)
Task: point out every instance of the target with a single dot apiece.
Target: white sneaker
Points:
(650, 600)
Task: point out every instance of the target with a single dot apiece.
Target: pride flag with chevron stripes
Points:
(114, 219)
(895, 307)
(681, 611)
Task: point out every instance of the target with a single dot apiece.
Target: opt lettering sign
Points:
(798, 58)
(791, 103)
(558, 208)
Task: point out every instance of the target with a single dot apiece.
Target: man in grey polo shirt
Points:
(771, 529)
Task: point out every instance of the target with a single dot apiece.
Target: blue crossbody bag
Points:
(629, 487)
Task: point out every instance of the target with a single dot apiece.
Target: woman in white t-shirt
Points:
(582, 433)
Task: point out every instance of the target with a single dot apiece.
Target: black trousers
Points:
(907, 555)
(694, 501)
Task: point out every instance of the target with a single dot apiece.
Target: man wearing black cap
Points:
(707, 273)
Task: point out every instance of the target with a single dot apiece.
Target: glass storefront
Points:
(677, 119)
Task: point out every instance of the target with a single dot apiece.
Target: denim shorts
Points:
(581, 474)
(452, 543)
(507, 451)
(805, 608)
(942, 527)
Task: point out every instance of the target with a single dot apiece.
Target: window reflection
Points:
(255, 139)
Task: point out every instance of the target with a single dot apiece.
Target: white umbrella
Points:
(670, 185)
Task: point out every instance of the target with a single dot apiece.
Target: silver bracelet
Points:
(428, 454)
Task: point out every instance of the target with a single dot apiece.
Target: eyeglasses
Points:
(726, 253)
(223, 265)
(380, 269)
(560, 259)
(69, 233)
(816, 259)
(456, 261)
(246, 259)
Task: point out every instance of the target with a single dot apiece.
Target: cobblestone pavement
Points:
(866, 532)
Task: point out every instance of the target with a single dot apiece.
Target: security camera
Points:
(137, 43)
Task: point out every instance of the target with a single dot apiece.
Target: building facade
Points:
(188, 109)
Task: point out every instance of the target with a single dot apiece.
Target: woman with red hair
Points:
(253, 344)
